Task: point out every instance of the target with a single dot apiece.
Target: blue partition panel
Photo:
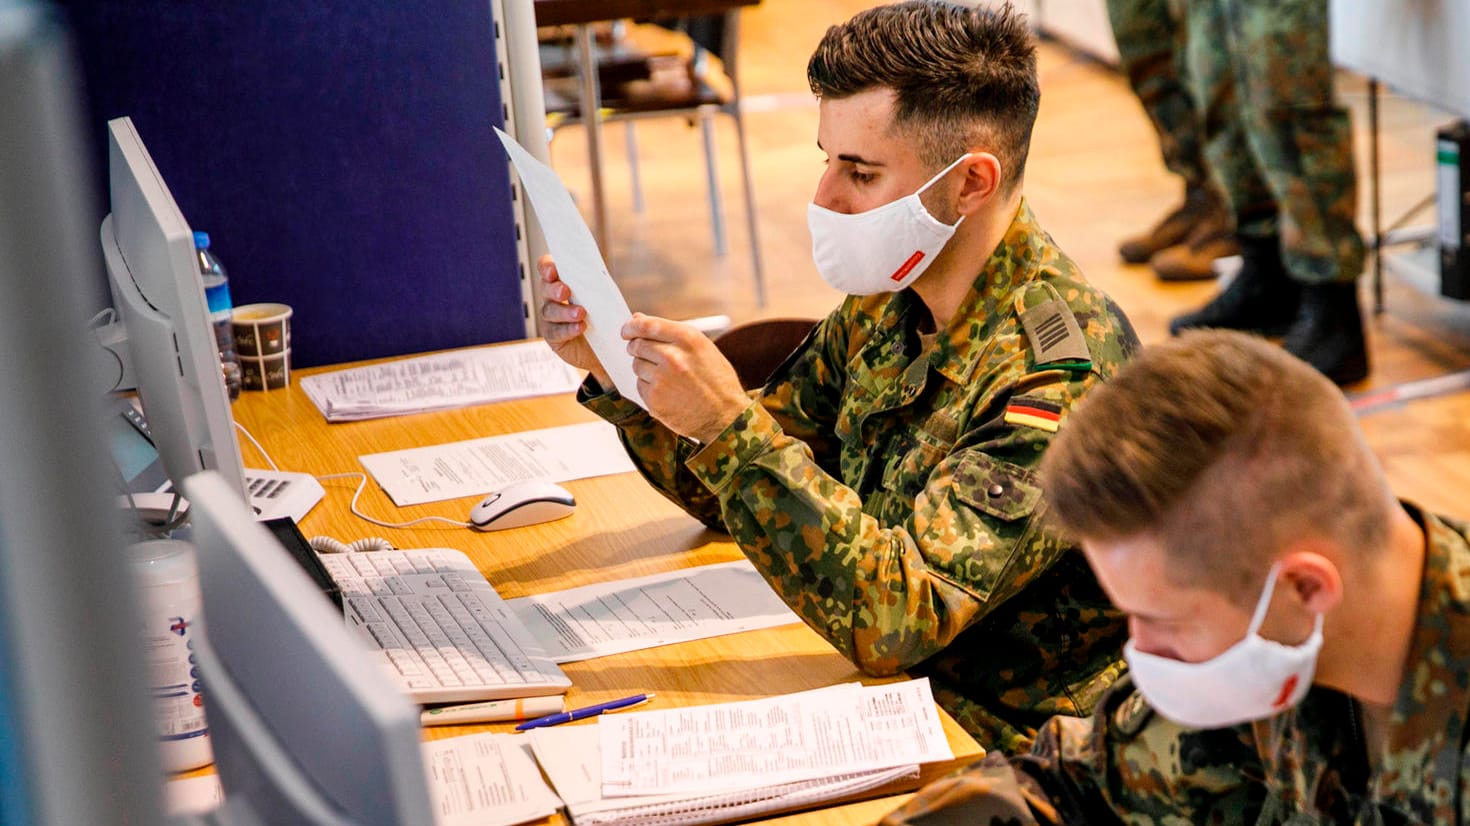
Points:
(340, 154)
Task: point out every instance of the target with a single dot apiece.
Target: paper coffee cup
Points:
(262, 329)
(271, 372)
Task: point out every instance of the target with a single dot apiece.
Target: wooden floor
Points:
(1094, 175)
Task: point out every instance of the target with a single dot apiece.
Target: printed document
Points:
(580, 265)
(830, 731)
(486, 780)
(445, 380)
(646, 612)
(478, 466)
(475, 780)
(570, 756)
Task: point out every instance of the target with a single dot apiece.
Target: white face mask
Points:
(882, 250)
(1251, 680)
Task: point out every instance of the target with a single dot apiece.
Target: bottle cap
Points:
(201, 240)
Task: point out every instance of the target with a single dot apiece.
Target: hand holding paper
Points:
(580, 265)
(688, 384)
(563, 323)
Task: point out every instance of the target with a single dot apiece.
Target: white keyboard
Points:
(435, 623)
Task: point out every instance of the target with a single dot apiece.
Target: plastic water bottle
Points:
(217, 293)
(167, 577)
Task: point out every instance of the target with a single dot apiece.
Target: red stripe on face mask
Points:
(1287, 688)
(908, 266)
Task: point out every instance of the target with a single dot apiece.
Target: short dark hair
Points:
(1225, 448)
(961, 76)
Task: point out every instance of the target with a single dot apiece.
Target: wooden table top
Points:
(621, 528)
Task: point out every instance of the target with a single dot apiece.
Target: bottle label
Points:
(217, 295)
(174, 668)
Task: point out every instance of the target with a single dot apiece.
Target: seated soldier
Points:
(1300, 640)
(882, 480)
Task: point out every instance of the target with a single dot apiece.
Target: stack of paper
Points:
(439, 382)
(735, 760)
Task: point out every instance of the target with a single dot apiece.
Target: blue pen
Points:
(584, 713)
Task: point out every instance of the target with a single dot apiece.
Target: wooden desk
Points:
(621, 528)
(581, 14)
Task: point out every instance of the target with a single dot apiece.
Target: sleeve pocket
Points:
(998, 488)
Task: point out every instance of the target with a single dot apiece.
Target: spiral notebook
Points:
(731, 761)
(570, 756)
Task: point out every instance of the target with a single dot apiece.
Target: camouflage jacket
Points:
(1307, 766)
(886, 489)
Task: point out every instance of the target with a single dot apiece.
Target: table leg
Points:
(592, 121)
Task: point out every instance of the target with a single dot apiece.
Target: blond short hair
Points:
(1224, 447)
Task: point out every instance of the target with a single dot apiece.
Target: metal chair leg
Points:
(750, 210)
(717, 218)
(634, 179)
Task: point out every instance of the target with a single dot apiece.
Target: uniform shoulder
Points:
(1069, 322)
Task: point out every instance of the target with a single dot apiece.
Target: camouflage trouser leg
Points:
(1150, 35)
(1274, 133)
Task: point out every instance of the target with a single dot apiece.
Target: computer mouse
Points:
(518, 504)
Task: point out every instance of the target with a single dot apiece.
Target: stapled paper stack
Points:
(442, 381)
(710, 764)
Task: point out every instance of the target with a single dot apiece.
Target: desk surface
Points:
(567, 12)
(621, 528)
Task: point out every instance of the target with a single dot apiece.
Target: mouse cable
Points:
(362, 483)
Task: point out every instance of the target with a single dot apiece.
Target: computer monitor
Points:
(153, 272)
(76, 732)
(306, 727)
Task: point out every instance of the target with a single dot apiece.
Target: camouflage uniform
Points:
(887, 493)
(1309, 765)
(1151, 48)
(1275, 139)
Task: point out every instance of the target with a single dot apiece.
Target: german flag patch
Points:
(1042, 415)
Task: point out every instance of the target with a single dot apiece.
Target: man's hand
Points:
(563, 323)
(684, 379)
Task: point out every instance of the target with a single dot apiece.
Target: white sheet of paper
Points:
(441, 381)
(579, 264)
(478, 466)
(475, 780)
(646, 612)
(486, 780)
(838, 730)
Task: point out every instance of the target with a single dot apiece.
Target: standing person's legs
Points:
(1150, 37)
(1302, 140)
(1262, 297)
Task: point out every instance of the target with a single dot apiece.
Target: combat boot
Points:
(1175, 227)
(1261, 298)
(1328, 333)
(1194, 259)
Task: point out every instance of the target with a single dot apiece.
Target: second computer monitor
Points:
(156, 287)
